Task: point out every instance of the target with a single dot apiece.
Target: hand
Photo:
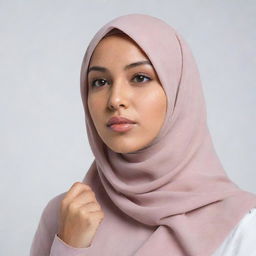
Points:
(80, 216)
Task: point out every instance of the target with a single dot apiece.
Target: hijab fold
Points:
(176, 186)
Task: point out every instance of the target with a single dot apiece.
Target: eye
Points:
(141, 78)
(101, 82)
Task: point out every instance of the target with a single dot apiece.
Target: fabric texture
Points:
(176, 184)
(172, 197)
(239, 242)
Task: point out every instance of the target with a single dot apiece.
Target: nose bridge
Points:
(119, 92)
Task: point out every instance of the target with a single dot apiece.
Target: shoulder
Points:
(50, 213)
(241, 241)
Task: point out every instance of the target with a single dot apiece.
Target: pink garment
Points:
(172, 197)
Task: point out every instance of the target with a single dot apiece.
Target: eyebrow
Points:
(135, 64)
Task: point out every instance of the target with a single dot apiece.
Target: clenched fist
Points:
(80, 216)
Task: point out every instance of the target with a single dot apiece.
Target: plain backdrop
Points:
(44, 146)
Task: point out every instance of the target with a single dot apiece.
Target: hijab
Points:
(172, 197)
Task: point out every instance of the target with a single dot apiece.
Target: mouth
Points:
(123, 127)
(120, 124)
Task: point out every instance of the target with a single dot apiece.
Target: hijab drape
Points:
(176, 187)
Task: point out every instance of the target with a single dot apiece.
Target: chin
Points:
(123, 149)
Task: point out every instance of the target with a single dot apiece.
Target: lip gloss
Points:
(121, 127)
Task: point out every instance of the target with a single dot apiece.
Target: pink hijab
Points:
(172, 197)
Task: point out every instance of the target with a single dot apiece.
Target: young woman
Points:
(156, 185)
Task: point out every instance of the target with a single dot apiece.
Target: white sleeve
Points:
(242, 240)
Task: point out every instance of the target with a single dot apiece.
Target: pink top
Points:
(172, 197)
(239, 242)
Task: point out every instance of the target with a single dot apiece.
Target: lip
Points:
(120, 124)
(121, 127)
(119, 120)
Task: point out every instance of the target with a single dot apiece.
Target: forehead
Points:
(119, 47)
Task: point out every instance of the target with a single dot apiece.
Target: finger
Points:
(90, 207)
(85, 197)
(74, 191)
(97, 216)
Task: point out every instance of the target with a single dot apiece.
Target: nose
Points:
(118, 96)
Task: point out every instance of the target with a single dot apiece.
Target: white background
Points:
(44, 147)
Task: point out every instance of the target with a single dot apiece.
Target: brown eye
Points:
(98, 82)
(140, 78)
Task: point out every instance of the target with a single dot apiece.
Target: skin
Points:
(80, 216)
(118, 92)
(124, 92)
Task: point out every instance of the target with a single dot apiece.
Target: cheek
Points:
(153, 107)
(95, 107)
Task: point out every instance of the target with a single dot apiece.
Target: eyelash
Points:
(136, 75)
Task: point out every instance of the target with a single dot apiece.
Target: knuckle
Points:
(90, 195)
(72, 207)
(76, 184)
(83, 213)
(87, 187)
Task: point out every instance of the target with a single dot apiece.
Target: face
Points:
(120, 87)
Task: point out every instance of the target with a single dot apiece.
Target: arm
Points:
(46, 241)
